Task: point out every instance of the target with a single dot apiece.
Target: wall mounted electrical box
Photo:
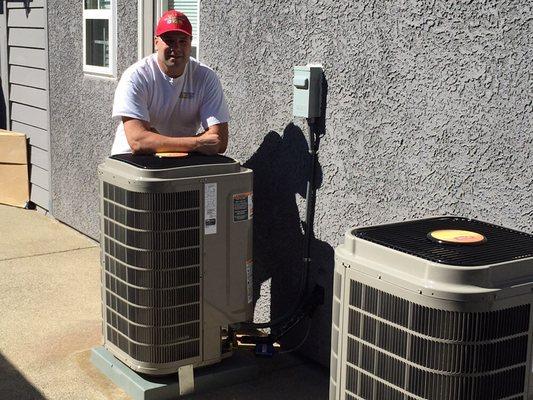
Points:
(307, 91)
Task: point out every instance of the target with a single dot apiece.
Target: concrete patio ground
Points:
(50, 320)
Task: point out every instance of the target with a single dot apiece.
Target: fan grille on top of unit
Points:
(502, 244)
(148, 161)
(396, 348)
(151, 261)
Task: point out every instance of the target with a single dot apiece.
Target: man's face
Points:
(173, 52)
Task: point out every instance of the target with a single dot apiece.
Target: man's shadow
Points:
(281, 166)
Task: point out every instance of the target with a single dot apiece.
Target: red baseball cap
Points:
(173, 21)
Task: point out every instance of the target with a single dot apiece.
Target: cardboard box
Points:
(14, 184)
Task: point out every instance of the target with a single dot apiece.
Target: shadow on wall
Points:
(3, 115)
(12, 382)
(281, 166)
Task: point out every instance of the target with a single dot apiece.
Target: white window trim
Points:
(111, 16)
(145, 26)
(196, 39)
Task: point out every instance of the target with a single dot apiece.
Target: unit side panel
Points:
(338, 316)
(527, 380)
(227, 248)
(213, 254)
(238, 202)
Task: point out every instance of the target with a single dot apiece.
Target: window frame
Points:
(101, 14)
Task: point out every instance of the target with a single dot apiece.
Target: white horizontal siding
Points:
(28, 89)
(40, 176)
(40, 196)
(29, 115)
(40, 158)
(37, 137)
(29, 96)
(23, 37)
(17, 18)
(20, 4)
(23, 55)
(28, 76)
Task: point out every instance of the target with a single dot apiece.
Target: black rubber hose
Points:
(310, 201)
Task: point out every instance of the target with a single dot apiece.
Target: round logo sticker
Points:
(457, 236)
(169, 154)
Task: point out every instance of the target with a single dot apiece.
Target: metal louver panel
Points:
(397, 349)
(153, 202)
(149, 353)
(151, 273)
(169, 286)
(335, 333)
(153, 316)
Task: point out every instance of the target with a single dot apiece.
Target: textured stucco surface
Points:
(429, 112)
(81, 128)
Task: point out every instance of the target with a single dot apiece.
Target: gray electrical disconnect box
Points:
(307, 91)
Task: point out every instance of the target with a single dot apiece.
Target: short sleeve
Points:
(213, 109)
(131, 98)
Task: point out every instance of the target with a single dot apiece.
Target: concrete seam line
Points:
(45, 254)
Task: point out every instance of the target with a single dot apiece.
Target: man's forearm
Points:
(148, 142)
(144, 139)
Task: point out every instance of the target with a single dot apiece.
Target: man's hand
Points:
(208, 143)
(214, 140)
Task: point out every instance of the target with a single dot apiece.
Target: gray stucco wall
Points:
(429, 112)
(81, 128)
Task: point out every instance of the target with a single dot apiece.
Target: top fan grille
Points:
(501, 245)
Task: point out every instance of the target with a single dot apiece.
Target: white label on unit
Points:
(210, 208)
(249, 280)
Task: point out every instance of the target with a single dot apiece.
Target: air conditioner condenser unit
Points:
(176, 255)
(433, 309)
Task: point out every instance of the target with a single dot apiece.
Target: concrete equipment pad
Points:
(239, 368)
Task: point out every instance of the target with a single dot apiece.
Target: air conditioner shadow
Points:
(281, 166)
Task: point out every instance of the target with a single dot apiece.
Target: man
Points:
(164, 100)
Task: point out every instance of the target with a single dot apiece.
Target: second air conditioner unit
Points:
(436, 309)
(176, 241)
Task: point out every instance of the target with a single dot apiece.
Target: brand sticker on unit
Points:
(249, 280)
(243, 206)
(210, 208)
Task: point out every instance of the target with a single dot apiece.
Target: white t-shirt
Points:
(174, 106)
